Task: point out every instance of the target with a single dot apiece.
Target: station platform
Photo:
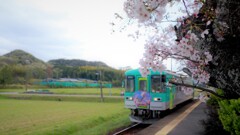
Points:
(182, 121)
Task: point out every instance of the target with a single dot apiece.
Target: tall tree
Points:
(206, 41)
(6, 75)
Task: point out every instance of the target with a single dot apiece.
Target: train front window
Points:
(130, 83)
(143, 85)
(156, 85)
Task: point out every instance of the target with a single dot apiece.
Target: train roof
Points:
(186, 79)
(137, 72)
(133, 72)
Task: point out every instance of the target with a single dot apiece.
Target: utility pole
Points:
(100, 76)
(25, 85)
(101, 86)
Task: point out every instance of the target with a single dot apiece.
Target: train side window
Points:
(130, 83)
(164, 79)
(179, 88)
(156, 84)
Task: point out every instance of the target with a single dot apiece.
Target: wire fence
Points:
(74, 84)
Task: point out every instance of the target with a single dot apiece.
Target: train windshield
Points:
(156, 84)
(130, 83)
(143, 85)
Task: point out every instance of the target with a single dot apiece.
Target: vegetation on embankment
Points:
(223, 116)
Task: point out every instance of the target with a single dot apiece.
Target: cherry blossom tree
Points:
(193, 30)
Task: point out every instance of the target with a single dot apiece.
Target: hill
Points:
(23, 67)
(20, 57)
(4, 61)
(23, 58)
(76, 63)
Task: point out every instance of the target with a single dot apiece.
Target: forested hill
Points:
(76, 63)
(18, 66)
(20, 57)
(24, 58)
(63, 68)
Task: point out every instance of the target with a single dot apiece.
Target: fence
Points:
(74, 84)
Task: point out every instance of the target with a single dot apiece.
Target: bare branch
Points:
(169, 21)
(175, 56)
(186, 7)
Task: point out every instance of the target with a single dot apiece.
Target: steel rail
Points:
(132, 126)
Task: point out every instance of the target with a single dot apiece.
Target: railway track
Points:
(132, 129)
(135, 128)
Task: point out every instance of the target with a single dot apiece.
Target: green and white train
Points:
(148, 96)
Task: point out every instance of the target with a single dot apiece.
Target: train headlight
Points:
(129, 98)
(156, 99)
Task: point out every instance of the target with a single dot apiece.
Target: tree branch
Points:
(198, 87)
(175, 56)
(186, 7)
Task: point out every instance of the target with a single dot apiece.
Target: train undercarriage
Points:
(145, 116)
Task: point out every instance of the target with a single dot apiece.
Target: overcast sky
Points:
(70, 29)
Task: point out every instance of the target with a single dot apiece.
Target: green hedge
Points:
(229, 114)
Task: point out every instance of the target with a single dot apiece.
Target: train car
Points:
(148, 97)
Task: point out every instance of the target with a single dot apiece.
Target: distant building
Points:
(125, 68)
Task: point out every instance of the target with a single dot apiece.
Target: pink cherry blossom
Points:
(208, 22)
(187, 90)
(161, 45)
(205, 32)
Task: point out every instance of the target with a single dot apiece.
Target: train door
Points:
(142, 84)
(172, 93)
(141, 96)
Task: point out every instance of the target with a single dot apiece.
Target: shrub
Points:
(229, 114)
(212, 124)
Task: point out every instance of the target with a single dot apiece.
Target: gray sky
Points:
(70, 29)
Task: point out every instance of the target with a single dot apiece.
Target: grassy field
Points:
(51, 97)
(82, 91)
(87, 91)
(39, 117)
(12, 90)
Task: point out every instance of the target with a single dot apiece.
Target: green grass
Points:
(12, 90)
(82, 91)
(64, 98)
(197, 92)
(87, 91)
(36, 117)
